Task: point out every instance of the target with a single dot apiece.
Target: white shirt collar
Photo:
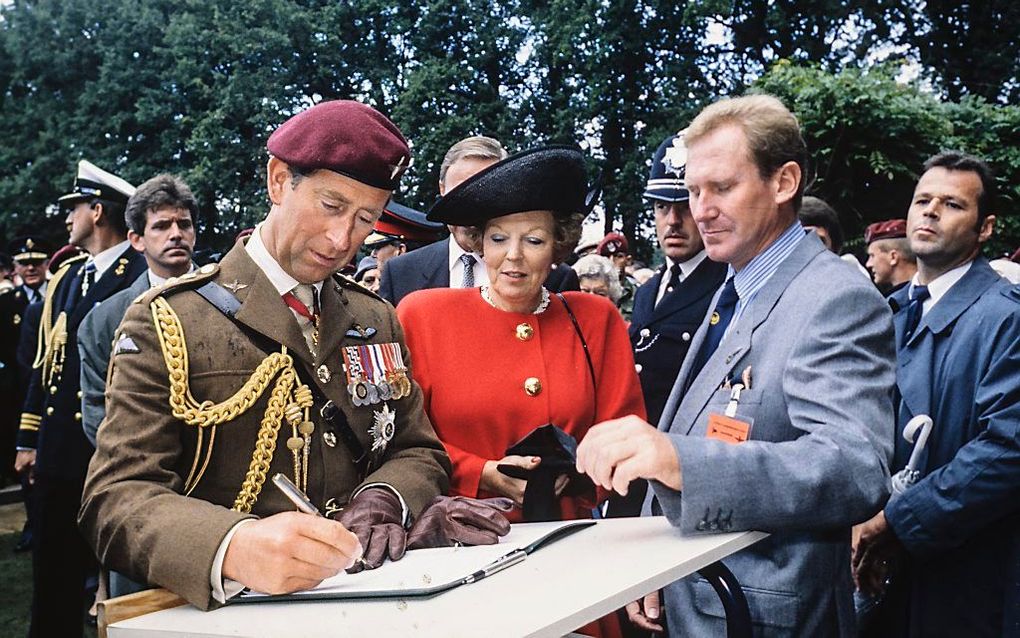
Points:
(277, 276)
(457, 267)
(105, 259)
(156, 280)
(686, 268)
(939, 286)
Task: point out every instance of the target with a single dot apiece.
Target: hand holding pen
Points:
(289, 551)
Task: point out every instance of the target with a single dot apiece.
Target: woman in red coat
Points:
(495, 363)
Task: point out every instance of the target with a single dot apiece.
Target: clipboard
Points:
(410, 576)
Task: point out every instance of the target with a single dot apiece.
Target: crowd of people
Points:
(440, 388)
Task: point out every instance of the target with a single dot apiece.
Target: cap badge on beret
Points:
(399, 169)
(675, 157)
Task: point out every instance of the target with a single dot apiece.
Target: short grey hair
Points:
(599, 267)
(474, 147)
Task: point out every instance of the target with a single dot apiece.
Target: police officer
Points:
(51, 443)
(280, 366)
(669, 307)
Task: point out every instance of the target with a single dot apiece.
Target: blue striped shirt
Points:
(759, 270)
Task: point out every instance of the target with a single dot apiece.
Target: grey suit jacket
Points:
(95, 342)
(819, 340)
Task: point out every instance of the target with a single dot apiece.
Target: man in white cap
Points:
(52, 447)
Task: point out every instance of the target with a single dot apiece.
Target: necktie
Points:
(304, 300)
(469, 270)
(914, 310)
(721, 317)
(88, 278)
(674, 280)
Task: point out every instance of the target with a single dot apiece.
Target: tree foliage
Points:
(869, 137)
(194, 87)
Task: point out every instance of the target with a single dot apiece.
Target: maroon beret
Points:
(889, 229)
(612, 244)
(346, 137)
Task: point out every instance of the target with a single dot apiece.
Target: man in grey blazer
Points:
(780, 419)
(160, 218)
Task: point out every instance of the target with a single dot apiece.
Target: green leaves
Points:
(194, 87)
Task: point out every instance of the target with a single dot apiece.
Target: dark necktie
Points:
(914, 311)
(721, 317)
(469, 270)
(674, 280)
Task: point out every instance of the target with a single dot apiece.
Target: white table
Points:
(557, 589)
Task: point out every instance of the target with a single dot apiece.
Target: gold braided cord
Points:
(206, 413)
(184, 406)
(53, 359)
(190, 483)
(266, 443)
(47, 313)
(205, 463)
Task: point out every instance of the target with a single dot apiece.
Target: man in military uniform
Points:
(275, 365)
(30, 256)
(51, 444)
(890, 259)
(615, 247)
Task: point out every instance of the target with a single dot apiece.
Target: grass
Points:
(16, 590)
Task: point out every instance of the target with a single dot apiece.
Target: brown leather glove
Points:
(449, 520)
(374, 516)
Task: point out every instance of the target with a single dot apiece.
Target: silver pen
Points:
(298, 498)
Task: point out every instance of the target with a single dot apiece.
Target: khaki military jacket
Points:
(135, 511)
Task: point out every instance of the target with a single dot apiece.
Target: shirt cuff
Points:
(225, 588)
(404, 512)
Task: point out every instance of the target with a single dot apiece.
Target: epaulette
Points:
(173, 285)
(346, 282)
(70, 261)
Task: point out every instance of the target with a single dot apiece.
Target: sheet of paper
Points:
(430, 567)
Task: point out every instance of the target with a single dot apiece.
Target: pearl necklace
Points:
(542, 305)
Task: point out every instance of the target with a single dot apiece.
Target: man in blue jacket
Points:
(951, 541)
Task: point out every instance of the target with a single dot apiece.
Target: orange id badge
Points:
(729, 429)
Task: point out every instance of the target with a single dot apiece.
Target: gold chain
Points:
(286, 391)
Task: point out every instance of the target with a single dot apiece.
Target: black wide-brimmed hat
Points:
(548, 178)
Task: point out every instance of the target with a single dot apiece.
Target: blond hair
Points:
(771, 130)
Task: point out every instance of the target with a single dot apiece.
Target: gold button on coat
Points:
(77, 416)
(525, 331)
(532, 386)
(49, 410)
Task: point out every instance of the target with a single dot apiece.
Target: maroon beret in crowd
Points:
(612, 244)
(346, 137)
(889, 229)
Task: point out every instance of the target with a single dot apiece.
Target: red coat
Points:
(472, 368)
